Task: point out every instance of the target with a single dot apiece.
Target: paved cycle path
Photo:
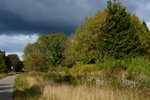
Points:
(6, 88)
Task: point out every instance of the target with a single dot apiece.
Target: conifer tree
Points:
(118, 39)
(145, 25)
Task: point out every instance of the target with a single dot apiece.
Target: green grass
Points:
(84, 69)
(129, 68)
(21, 82)
(3, 75)
(138, 67)
(24, 90)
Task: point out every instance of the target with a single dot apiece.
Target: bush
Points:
(21, 82)
(87, 68)
(138, 66)
(127, 68)
(114, 68)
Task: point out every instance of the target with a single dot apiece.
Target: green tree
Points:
(119, 38)
(36, 62)
(13, 60)
(3, 65)
(141, 30)
(145, 26)
(19, 66)
(82, 47)
(47, 51)
(113, 32)
(34, 58)
(56, 48)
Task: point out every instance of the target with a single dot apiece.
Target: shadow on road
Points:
(4, 84)
(2, 89)
(6, 88)
(4, 95)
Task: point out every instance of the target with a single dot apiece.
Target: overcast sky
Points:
(21, 21)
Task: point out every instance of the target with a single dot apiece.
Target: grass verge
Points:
(3, 75)
(42, 86)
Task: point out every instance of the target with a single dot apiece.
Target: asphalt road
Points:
(6, 88)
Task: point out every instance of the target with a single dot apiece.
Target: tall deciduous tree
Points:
(56, 48)
(47, 51)
(35, 57)
(83, 43)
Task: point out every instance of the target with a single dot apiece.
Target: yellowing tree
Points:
(82, 46)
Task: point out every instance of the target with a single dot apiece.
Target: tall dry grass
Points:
(35, 88)
(84, 92)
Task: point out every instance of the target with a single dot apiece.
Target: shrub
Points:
(138, 66)
(127, 68)
(81, 68)
(113, 68)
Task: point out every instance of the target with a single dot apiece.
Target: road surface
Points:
(6, 88)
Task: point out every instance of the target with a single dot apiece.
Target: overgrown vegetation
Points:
(113, 45)
(2, 75)
(128, 68)
(46, 52)
(42, 86)
(113, 33)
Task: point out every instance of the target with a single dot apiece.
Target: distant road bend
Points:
(6, 88)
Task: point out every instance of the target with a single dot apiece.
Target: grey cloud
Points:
(141, 8)
(51, 16)
(46, 15)
(16, 43)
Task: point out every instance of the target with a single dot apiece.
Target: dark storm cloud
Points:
(50, 16)
(45, 15)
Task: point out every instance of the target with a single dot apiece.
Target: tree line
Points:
(7, 62)
(112, 33)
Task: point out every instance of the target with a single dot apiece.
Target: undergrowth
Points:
(52, 86)
(3, 75)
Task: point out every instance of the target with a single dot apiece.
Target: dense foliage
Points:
(13, 60)
(3, 65)
(6, 62)
(110, 49)
(113, 32)
(118, 39)
(83, 44)
(104, 41)
(46, 52)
